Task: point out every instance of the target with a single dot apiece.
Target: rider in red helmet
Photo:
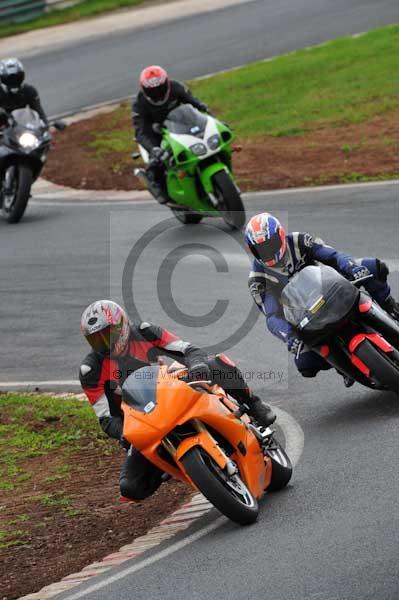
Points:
(158, 95)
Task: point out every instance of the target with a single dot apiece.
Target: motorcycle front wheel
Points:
(231, 204)
(228, 494)
(14, 202)
(281, 468)
(382, 366)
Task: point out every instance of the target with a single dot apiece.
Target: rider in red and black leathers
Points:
(103, 373)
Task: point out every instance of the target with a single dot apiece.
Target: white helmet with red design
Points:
(106, 327)
(266, 239)
(155, 85)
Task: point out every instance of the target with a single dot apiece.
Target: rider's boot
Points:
(391, 307)
(260, 411)
(155, 186)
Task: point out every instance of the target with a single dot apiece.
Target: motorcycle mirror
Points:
(156, 127)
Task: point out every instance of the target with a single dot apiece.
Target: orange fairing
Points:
(177, 404)
(206, 442)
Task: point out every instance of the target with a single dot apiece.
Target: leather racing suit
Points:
(267, 283)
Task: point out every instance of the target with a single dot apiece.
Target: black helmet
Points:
(12, 74)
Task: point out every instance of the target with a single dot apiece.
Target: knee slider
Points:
(129, 489)
(309, 372)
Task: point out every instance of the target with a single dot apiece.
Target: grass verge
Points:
(85, 9)
(327, 113)
(346, 81)
(39, 436)
(34, 426)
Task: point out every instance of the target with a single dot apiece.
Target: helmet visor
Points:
(13, 80)
(157, 94)
(104, 341)
(267, 251)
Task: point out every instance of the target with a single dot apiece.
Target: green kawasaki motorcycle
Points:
(197, 159)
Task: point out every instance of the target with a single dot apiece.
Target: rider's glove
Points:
(355, 272)
(156, 154)
(199, 372)
(294, 346)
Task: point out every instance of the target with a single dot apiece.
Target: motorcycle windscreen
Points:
(318, 297)
(27, 118)
(185, 119)
(140, 389)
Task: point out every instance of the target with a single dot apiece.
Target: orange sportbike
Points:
(196, 433)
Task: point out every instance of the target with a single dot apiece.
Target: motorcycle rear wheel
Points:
(381, 365)
(15, 208)
(230, 496)
(186, 217)
(232, 207)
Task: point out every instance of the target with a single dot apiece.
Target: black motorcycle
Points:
(24, 145)
(344, 326)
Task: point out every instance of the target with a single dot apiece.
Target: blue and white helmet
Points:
(266, 239)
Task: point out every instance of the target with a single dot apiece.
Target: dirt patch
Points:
(327, 155)
(59, 526)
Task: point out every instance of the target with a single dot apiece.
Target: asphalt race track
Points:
(333, 534)
(107, 67)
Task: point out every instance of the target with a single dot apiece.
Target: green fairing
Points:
(189, 180)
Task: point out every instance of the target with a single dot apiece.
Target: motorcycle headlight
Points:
(214, 141)
(28, 140)
(198, 149)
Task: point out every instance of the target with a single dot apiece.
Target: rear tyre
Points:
(383, 367)
(281, 468)
(187, 218)
(232, 208)
(14, 204)
(228, 494)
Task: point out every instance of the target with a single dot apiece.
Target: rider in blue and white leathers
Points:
(278, 256)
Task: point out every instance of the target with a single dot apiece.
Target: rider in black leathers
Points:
(15, 94)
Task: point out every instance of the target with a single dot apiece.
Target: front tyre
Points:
(14, 203)
(229, 197)
(227, 493)
(384, 367)
(186, 217)
(281, 468)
